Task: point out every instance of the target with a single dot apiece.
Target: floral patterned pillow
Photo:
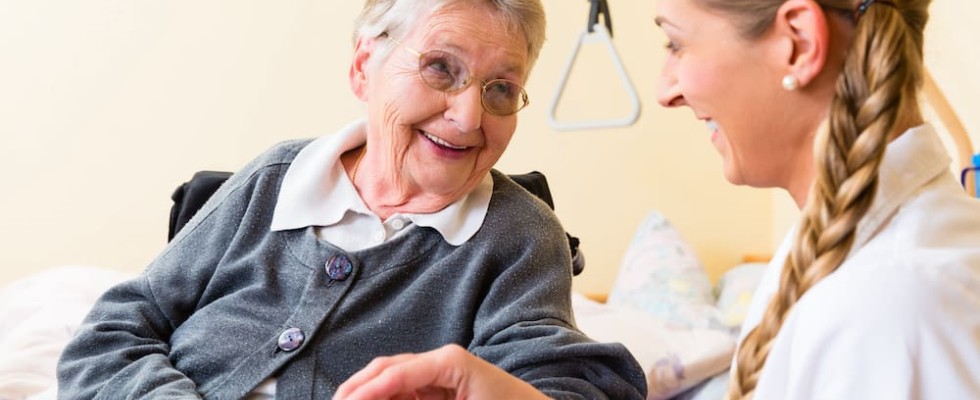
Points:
(661, 276)
(735, 290)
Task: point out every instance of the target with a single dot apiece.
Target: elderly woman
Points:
(392, 236)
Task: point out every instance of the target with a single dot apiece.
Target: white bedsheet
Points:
(674, 357)
(38, 315)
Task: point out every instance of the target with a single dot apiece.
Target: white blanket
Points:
(38, 315)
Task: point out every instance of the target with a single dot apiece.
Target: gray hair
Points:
(397, 17)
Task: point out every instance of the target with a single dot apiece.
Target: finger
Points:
(368, 373)
(419, 373)
(435, 394)
(393, 382)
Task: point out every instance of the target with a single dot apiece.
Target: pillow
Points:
(661, 276)
(674, 358)
(735, 290)
(38, 315)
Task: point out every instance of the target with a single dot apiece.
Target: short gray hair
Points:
(397, 17)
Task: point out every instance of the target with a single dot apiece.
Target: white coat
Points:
(900, 318)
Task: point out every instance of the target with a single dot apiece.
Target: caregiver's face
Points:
(444, 142)
(724, 79)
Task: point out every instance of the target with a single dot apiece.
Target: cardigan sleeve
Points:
(121, 350)
(123, 347)
(525, 323)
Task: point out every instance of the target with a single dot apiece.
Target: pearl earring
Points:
(790, 82)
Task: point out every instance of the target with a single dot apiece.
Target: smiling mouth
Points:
(441, 143)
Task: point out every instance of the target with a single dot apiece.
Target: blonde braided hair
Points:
(880, 78)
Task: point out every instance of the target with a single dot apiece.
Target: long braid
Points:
(882, 72)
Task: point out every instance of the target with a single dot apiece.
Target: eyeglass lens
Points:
(444, 72)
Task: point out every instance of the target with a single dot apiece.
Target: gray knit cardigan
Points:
(206, 318)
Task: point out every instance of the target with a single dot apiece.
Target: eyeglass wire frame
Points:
(523, 101)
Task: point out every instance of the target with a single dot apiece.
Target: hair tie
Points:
(863, 6)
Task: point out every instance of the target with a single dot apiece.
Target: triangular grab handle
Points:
(600, 34)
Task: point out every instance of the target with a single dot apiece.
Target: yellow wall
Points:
(953, 56)
(107, 105)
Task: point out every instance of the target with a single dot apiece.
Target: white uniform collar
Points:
(911, 161)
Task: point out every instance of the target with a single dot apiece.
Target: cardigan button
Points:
(339, 267)
(290, 339)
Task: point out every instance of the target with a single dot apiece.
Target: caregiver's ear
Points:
(359, 66)
(802, 26)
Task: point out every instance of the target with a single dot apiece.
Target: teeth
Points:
(712, 125)
(442, 142)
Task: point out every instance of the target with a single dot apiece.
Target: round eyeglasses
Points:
(445, 72)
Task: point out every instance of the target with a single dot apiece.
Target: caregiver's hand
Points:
(449, 372)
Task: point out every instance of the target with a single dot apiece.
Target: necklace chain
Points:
(357, 163)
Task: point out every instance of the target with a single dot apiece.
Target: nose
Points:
(465, 108)
(670, 94)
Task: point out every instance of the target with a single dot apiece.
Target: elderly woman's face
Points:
(443, 143)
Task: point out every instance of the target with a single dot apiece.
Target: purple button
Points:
(290, 339)
(339, 267)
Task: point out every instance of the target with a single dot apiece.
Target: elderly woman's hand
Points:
(449, 372)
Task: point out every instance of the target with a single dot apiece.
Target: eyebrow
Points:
(506, 68)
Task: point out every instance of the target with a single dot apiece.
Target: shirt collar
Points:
(911, 161)
(316, 178)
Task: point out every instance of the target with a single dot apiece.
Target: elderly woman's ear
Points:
(359, 65)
